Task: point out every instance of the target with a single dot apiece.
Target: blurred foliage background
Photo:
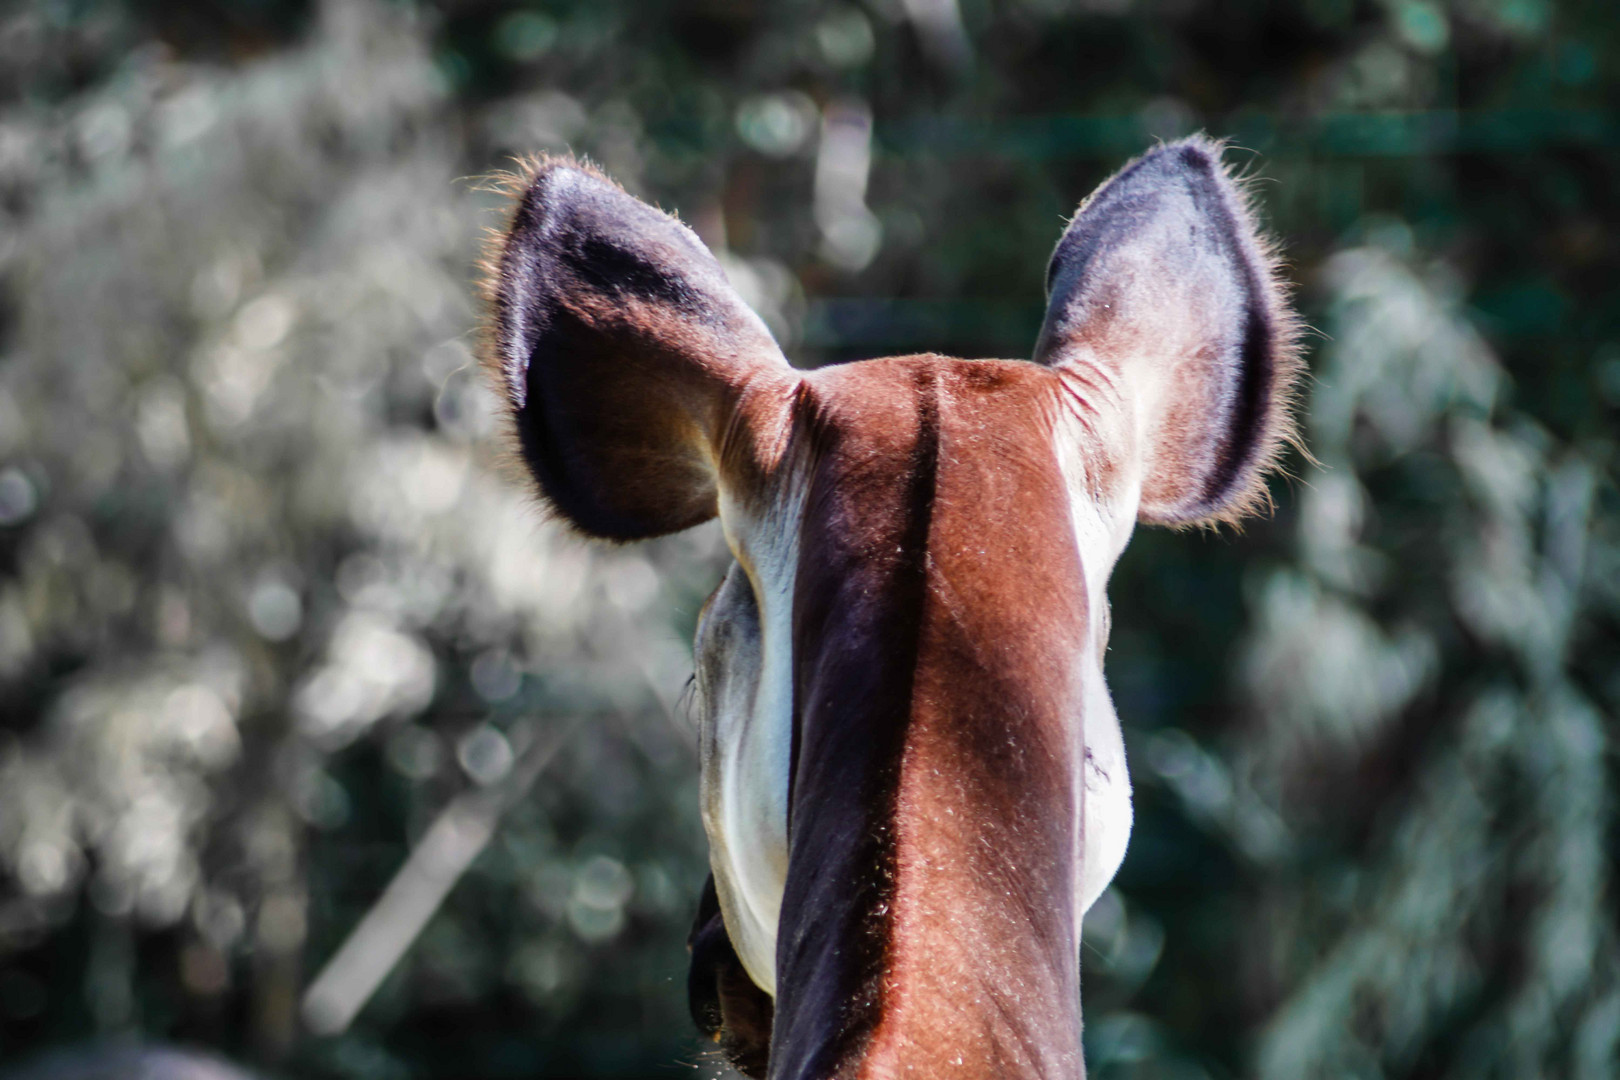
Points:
(268, 607)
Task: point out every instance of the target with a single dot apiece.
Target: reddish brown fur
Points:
(940, 623)
(938, 648)
(982, 979)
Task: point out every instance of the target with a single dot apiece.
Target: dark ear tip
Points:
(1196, 153)
(1199, 156)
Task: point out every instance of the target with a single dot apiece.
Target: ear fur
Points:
(620, 349)
(1163, 291)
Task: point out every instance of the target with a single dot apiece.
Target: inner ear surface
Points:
(622, 352)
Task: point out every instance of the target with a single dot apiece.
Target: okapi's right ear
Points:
(622, 352)
(1164, 301)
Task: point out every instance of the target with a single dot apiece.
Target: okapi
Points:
(913, 779)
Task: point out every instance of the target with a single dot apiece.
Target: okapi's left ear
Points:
(623, 354)
(1162, 296)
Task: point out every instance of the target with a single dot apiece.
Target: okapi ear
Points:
(1163, 295)
(621, 350)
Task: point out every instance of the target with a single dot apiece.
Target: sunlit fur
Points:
(913, 780)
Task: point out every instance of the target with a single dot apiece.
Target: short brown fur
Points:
(941, 619)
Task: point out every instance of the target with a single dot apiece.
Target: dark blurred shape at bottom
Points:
(126, 1061)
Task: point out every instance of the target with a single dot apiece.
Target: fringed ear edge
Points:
(1251, 496)
(511, 185)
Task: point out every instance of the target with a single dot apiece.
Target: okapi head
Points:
(913, 780)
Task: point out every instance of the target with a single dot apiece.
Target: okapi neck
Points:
(981, 976)
(928, 927)
(938, 937)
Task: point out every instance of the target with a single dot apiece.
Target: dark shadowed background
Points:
(270, 618)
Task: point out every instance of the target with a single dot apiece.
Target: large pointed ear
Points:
(1163, 295)
(621, 350)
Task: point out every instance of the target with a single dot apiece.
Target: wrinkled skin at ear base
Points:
(913, 780)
